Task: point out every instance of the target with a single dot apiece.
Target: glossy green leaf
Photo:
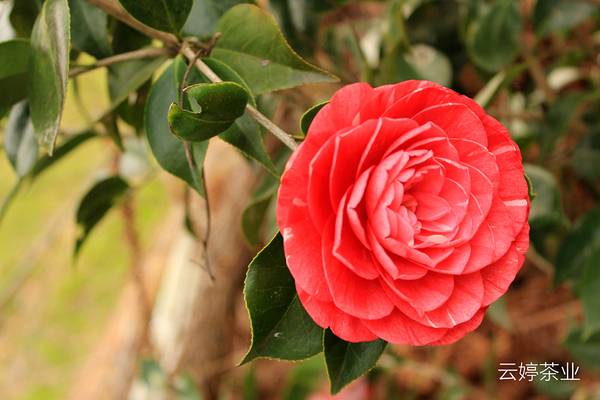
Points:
(347, 361)
(554, 15)
(60, 151)
(19, 139)
(281, 327)
(220, 105)
(244, 134)
(252, 45)
(587, 350)
(308, 117)
(88, 29)
(48, 64)
(495, 40)
(205, 15)
(298, 23)
(167, 149)
(96, 203)
(13, 74)
(262, 198)
(588, 290)
(126, 38)
(163, 15)
(586, 157)
(558, 119)
(578, 246)
(125, 78)
(547, 207)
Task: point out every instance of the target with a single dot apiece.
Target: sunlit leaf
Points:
(220, 105)
(88, 29)
(163, 15)
(347, 361)
(13, 71)
(252, 45)
(95, 204)
(281, 327)
(48, 63)
(421, 62)
(19, 139)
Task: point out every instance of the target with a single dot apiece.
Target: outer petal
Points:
(461, 329)
(400, 329)
(327, 315)
(352, 294)
(302, 246)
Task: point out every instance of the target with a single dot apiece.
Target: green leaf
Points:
(126, 38)
(254, 214)
(495, 41)
(125, 78)
(589, 288)
(586, 156)
(163, 15)
(19, 140)
(244, 134)
(578, 246)
(553, 15)
(220, 105)
(252, 45)
(96, 203)
(558, 119)
(281, 327)
(347, 361)
(443, 34)
(585, 350)
(13, 71)
(60, 151)
(308, 117)
(48, 64)
(23, 15)
(88, 29)
(547, 207)
(421, 62)
(205, 15)
(167, 149)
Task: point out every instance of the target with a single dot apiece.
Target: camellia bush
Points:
(403, 206)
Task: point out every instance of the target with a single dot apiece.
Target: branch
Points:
(120, 58)
(115, 9)
(264, 121)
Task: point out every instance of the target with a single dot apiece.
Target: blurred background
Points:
(135, 315)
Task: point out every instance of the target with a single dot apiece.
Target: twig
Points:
(207, 235)
(115, 9)
(121, 58)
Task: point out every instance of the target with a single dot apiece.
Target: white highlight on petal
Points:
(451, 319)
(438, 239)
(515, 203)
(298, 202)
(430, 323)
(287, 234)
(503, 150)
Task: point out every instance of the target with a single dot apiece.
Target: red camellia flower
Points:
(403, 213)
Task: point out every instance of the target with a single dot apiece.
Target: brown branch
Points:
(124, 57)
(115, 9)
